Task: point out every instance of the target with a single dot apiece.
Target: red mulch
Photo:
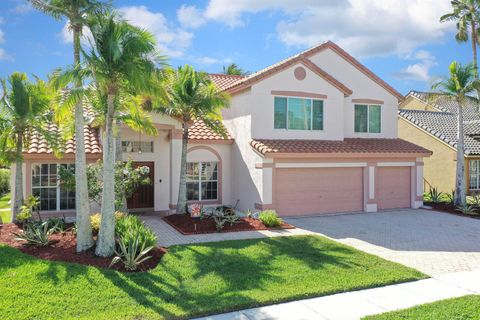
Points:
(63, 248)
(187, 225)
(450, 208)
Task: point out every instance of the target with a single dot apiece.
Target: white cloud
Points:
(419, 71)
(210, 60)
(190, 17)
(67, 35)
(172, 41)
(3, 53)
(22, 8)
(365, 28)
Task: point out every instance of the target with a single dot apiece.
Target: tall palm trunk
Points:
(460, 192)
(182, 189)
(106, 236)
(84, 228)
(474, 48)
(119, 160)
(18, 196)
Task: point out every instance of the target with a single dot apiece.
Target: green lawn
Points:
(192, 280)
(5, 215)
(463, 308)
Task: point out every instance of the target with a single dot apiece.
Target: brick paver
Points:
(432, 242)
(168, 236)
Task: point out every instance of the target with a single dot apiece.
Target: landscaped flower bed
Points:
(188, 225)
(62, 247)
(449, 208)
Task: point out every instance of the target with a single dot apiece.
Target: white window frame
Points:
(368, 118)
(477, 173)
(311, 114)
(200, 181)
(57, 187)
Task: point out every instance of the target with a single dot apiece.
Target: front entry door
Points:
(143, 197)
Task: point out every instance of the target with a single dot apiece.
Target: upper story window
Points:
(367, 118)
(298, 114)
(137, 146)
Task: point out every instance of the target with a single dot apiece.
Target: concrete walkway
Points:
(357, 304)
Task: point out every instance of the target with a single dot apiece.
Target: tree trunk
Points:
(460, 192)
(82, 204)
(106, 236)
(474, 48)
(18, 196)
(182, 188)
(119, 160)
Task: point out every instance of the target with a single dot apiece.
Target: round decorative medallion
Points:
(300, 73)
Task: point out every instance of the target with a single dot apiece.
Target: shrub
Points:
(129, 228)
(35, 233)
(450, 196)
(30, 204)
(25, 214)
(96, 219)
(222, 216)
(467, 209)
(132, 252)
(435, 195)
(57, 224)
(270, 218)
(4, 181)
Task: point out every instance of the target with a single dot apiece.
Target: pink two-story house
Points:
(315, 133)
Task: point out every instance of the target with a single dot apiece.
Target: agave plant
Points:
(450, 196)
(467, 209)
(132, 253)
(35, 233)
(435, 195)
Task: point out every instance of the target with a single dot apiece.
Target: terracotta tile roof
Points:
(223, 81)
(200, 131)
(38, 144)
(254, 77)
(348, 145)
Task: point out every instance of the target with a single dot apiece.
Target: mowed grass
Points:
(192, 280)
(463, 308)
(5, 215)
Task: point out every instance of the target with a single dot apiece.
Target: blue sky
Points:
(400, 40)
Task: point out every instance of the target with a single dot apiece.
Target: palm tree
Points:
(122, 57)
(77, 11)
(192, 96)
(458, 87)
(466, 14)
(23, 109)
(234, 70)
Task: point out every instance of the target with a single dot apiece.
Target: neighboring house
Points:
(315, 133)
(430, 120)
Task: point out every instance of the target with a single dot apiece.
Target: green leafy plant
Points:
(96, 218)
(4, 181)
(270, 218)
(222, 216)
(435, 195)
(129, 228)
(132, 252)
(30, 205)
(450, 196)
(467, 209)
(35, 233)
(57, 224)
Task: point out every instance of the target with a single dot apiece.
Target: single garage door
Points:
(393, 187)
(306, 191)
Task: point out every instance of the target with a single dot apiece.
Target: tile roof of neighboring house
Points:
(254, 77)
(223, 81)
(348, 145)
(443, 123)
(38, 144)
(200, 131)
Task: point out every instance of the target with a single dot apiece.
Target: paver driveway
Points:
(432, 242)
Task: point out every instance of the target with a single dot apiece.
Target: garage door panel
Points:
(393, 187)
(303, 191)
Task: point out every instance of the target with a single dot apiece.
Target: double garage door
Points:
(310, 191)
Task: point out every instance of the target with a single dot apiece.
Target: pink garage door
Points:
(318, 190)
(393, 187)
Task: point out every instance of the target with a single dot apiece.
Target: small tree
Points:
(459, 87)
(192, 96)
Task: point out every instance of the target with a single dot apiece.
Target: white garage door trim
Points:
(321, 165)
